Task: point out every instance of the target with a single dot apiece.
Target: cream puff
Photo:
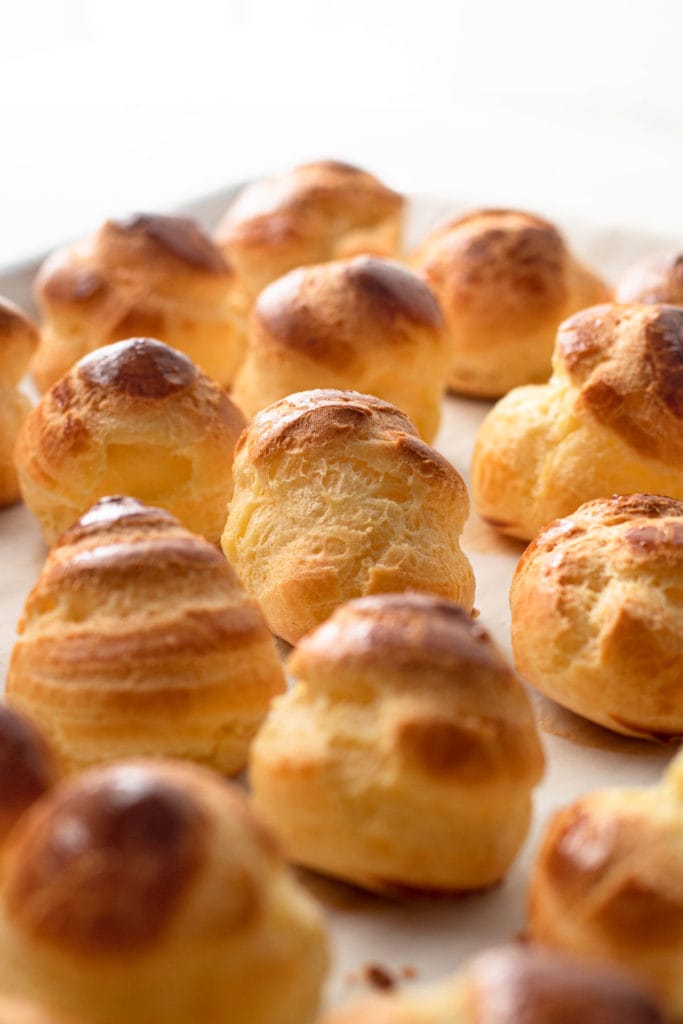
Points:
(148, 275)
(653, 280)
(135, 418)
(405, 756)
(505, 280)
(595, 621)
(608, 422)
(336, 497)
(365, 323)
(139, 639)
(147, 892)
(320, 211)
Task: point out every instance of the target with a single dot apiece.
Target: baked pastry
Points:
(28, 768)
(148, 275)
(608, 422)
(18, 341)
(138, 638)
(320, 211)
(405, 756)
(594, 625)
(133, 418)
(336, 497)
(505, 280)
(652, 280)
(147, 892)
(608, 884)
(363, 323)
(515, 985)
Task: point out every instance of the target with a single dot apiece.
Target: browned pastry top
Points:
(498, 263)
(627, 362)
(329, 311)
(138, 367)
(279, 209)
(416, 631)
(128, 259)
(103, 866)
(314, 416)
(537, 986)
(27, 766)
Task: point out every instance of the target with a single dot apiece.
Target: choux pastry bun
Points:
(608, 422)
(320, 211)
(148, 275)
(133, 418)
(28, 768)
(505, 280)
(364, 323)
(18, 341)
(608, 884)
(406, 754)
(336, 497)
(594, 625)
(139, 639)
(653, 280)
(146, 892)
(515, 985)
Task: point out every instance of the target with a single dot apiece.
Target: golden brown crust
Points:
(325, 509)
(608, 884)
(505, 279)
(537, 986)
(362, 323)
(28, 767)
(139, 367)
(147, 891)
(136, 418)
(410, 724)
(310, 417)
(148, 275)
(138, 637)
(105, 864)
(627, 364)
(608, 421)
(314, 213)
(18, 341)
(593, 623)
(656, 279)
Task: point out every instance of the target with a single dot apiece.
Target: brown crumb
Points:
(379, 977)
(522, 936)
(408, 972)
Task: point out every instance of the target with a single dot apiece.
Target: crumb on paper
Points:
(379, 977)
(408, 972)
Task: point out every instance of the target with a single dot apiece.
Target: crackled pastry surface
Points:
(336, 497)
(597, 614)
(609, 421)
(405, 756)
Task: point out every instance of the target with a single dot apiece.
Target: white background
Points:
(573, 110)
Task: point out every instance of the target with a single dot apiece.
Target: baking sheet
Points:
(428, 937)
